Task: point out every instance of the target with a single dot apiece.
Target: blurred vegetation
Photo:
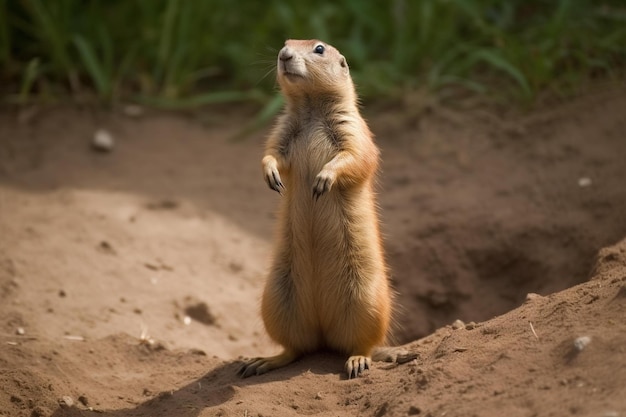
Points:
(177, 53)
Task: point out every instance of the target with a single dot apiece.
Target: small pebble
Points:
(584, 182)
(20, 331)
(471, 325)
(318, 396)
(102, 141)
(532, 296)
(187, 320)
(413, 410)
(198, 352)
(106, 247)
(458, 324)
(66, 401)
(581, 342)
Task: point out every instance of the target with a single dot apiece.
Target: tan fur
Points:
(328, 284)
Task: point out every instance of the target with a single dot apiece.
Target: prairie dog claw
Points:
(323, 182)
(356, 365)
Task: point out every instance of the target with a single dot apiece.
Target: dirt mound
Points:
(487, 208)
(129, 280)
(556, 355)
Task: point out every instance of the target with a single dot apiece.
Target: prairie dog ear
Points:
(344, 64)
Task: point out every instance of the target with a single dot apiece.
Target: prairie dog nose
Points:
(285, 54)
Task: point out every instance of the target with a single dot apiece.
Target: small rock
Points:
(102, 141)
(106, 247)
(532, 296)
(458, 324)
(471, 325)
(584, 182)
(152, 345)
(200, 312)
(413, 410)
(318, 396)
(151, 266)
(66, 401)
(581, 342)
(83, 400)
(20, 331)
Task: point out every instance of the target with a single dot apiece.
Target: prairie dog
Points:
(328, 286)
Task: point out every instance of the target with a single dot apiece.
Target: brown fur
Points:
(328, 284)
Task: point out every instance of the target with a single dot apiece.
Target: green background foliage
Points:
(177, 53)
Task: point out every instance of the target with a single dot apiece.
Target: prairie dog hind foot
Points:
(395, 354)
(355, 365)
(259, 366)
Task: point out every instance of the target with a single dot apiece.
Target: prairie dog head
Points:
(312, 66)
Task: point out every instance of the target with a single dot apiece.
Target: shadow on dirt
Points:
(213, 389)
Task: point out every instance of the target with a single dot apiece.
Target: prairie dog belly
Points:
(335, 246)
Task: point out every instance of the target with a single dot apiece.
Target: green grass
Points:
(186, 53)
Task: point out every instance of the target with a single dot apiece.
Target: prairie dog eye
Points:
(319, 49)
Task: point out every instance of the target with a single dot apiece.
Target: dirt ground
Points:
(130, 280)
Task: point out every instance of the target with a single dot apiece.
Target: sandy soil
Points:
(130, 280)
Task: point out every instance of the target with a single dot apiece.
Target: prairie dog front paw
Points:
(323, 182)
(271, 174)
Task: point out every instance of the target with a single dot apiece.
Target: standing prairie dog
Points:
(328, 285)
